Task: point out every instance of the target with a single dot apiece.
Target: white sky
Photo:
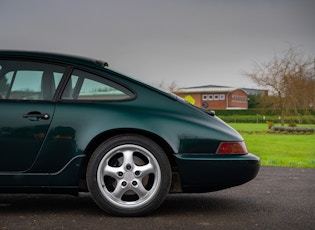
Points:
(191, 42)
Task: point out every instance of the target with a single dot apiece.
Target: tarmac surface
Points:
(278, 198)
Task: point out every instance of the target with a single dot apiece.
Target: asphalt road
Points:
(278, 198)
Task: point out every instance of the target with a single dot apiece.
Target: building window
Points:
(216, 97)
(210, 97)
(222, 96)
(241, 99)
(204, 97)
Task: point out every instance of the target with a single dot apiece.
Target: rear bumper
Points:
(206, 173)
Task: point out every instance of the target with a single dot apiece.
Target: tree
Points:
(254, 101)
(171, 88)
(289, 80)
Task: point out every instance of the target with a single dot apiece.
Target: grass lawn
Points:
(291, 150)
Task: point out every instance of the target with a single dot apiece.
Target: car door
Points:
(26, 110)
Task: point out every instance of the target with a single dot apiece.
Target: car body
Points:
(70, 124)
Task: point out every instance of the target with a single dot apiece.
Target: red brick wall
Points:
(195, 96)
(239, 99)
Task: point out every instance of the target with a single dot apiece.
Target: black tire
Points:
(129, 175)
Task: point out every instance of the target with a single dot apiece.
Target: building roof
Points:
(220, 89)
(256, 91)
(208, 89)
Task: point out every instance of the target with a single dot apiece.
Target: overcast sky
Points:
(191, 42)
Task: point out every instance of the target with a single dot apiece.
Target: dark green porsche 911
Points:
(71, 124)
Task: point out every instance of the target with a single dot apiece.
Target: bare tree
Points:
(171, 88)
(289, 80)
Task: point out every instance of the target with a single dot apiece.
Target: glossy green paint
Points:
(226, 171)
(72, 130)
(53, 152)
(21, 138)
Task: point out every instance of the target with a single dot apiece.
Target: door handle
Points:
(37, 115)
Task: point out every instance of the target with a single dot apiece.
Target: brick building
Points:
(215, 97)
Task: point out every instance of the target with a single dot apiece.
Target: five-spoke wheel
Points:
(128, 175)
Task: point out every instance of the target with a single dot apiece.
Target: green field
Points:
(293, 150)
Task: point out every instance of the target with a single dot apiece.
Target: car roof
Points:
(50, 56)
(73, 59)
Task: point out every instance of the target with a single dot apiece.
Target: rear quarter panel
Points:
(75, 125)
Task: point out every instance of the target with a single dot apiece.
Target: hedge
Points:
(265, 119)
(293, 130)
(262, 112)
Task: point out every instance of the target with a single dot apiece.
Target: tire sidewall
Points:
(99, 154)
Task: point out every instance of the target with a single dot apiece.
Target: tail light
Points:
(232, 148)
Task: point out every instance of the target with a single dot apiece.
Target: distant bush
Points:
(291, 130)
(310, 119)
(263, 112)
(270, 124)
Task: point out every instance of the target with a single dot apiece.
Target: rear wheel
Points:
(129, 175)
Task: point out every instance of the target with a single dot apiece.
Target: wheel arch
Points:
(96, 141)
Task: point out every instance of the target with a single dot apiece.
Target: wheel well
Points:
(104, 136)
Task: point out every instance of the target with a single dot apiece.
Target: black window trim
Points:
(69, 68)
(67, 78)
(37, 60)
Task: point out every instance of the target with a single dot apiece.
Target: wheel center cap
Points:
(129, 176)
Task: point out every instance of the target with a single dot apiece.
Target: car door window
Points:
(87, 86)
(26, 85)
(21, 80)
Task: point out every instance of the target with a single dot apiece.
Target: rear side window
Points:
(86, 86)
(21, 80)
